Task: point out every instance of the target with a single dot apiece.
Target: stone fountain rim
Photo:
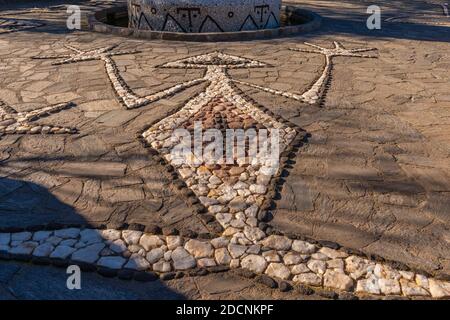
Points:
(96, 22)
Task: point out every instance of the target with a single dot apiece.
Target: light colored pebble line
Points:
(316, 92)
(19, 26)
(401, 19)
(175, 89)
(34, 10)
(204, 60)
(272, 91)
(295, 261)
(13, 122)
(126, 96)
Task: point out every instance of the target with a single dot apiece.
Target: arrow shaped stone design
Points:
(13, 122)
(126, 96)
(315, 93)
(244, 242)
(231, 193)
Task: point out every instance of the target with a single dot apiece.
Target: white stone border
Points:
(13, 122)
(295, 261)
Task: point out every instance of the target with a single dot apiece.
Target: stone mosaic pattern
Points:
(203, 16)
(13, 122)
(279, 257)
(232, 195)
(396, 84)
(315, 93)
(126, 96)
(8, 25)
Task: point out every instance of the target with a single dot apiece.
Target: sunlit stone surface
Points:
(203, 15)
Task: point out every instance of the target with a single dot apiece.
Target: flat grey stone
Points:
(254, 263)
(43, 250)
(24, 248)
(111, 262)
(54, 240)
(41, 235)
(68, 242)
(154, 255)
(21, 236)
(111, 234)
(98, 169)
(70, 233)
(182, 260)
(118, 246)
(116, 118)
(90, 236)
(62, 252)
(137, 262)
(90, 254)
(199, 249)
(5, 238)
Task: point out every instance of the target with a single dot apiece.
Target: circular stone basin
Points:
(204, 15)
(115, 20)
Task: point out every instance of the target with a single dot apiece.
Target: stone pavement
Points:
(373, 175)
(23, 281)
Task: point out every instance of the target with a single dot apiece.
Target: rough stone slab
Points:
(154, 255)
(337, 280)
(118, 246)
(222, 256)
(254, 263)
(149, 242)
(21, 236)
(41, 235)
(389, 286)
(62, 252)
(93, 169)
(278, 270)
(90, 236)
(311, 279)
(199, 249)
(43, 250)
(182, 260)
(70, 233)
(5, 238)
(24, 248)
(439, 289)
(111, 234)
(277, 242)
(137, 262)
(303, 247)
(90, 254)
(111, 262)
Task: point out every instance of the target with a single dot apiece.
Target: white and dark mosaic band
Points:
(13, 122)
(296, 262)
(8, 25)
(204, 16)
